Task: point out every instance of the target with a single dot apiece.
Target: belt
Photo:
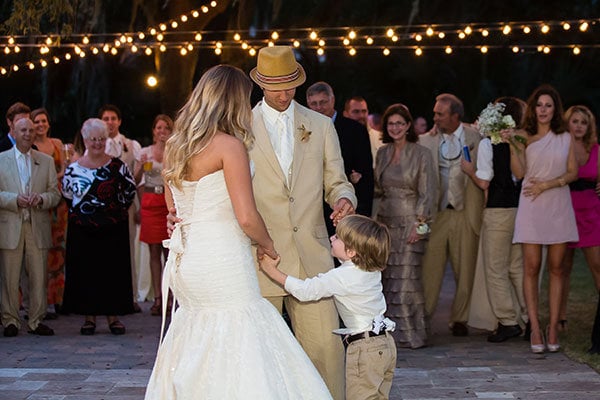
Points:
(363, 335)
(154, 189)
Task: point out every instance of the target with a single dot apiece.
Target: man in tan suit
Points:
(28, 189)
(297, 159)
(455, 230)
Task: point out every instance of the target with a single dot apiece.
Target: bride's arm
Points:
(236, 168)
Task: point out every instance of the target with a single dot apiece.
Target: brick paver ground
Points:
(69, 366)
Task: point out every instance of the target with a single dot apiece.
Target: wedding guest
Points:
(459, 204)
(362, 246)
(127, 150)
(497, 301)
(545, 214)
(56, 254)
(99, 190)
(586, 203)
(28, 190)
(404, 184)
(14, 113)
(153, 224)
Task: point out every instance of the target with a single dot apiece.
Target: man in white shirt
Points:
(455, 230)
(28, 189)
(297, 158)
(129, 151)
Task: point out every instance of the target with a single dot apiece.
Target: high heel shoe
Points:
(538, 348)
(552, 347)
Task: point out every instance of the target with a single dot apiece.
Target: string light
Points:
(320, 51)
(386, 52)
(92, 43)
(252, 52)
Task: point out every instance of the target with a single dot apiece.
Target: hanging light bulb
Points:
(386, 52)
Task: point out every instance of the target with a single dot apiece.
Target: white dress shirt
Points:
(485, 161)
(24, 167)
(282, 146)
(357, 295)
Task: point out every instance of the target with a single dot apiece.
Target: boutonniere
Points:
(304, 133)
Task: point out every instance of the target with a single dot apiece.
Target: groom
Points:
(298, 161)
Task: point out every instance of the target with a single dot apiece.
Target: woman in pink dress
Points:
(586, 203)
(545, 215)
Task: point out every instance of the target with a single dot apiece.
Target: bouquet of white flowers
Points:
(491, 122)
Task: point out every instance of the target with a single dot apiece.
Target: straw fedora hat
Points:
(277, 69)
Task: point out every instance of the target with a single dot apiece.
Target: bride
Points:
(224, 341)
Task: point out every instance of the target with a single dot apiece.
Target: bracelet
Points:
(561, 182)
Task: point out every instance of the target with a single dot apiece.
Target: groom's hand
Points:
(341, 208)
(172, 220)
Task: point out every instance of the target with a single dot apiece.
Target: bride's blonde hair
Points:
(220, 102)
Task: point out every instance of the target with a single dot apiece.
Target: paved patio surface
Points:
(69, 366)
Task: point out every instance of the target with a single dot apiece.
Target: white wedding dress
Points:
(224, 341)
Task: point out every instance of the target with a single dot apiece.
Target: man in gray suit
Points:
(28, 189)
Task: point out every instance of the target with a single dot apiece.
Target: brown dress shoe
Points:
(42, 330)
(11, 331)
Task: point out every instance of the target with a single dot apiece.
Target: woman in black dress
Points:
(98, 190)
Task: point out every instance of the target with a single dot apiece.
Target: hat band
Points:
(278, 79)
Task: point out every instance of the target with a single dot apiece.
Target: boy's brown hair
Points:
(368, 238)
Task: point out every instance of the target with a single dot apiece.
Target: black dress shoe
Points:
(460, 329)
(527, 335)
(11, 331)
(42, 330)
(136, 307)
(505, 332)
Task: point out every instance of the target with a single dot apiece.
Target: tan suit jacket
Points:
(473, 195)
(43, 181)
(294, 214)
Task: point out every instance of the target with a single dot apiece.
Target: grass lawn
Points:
(581, 311)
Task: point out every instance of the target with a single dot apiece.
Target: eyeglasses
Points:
(450, 150)
(398, 124)
(97, 140)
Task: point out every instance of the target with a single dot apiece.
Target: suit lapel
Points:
(300, 121)
(263, 142)
(10, 164)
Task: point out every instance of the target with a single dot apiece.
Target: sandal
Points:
(117, 328)
(156, 308)
(88, 328)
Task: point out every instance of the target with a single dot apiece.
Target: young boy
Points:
(362, 246)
